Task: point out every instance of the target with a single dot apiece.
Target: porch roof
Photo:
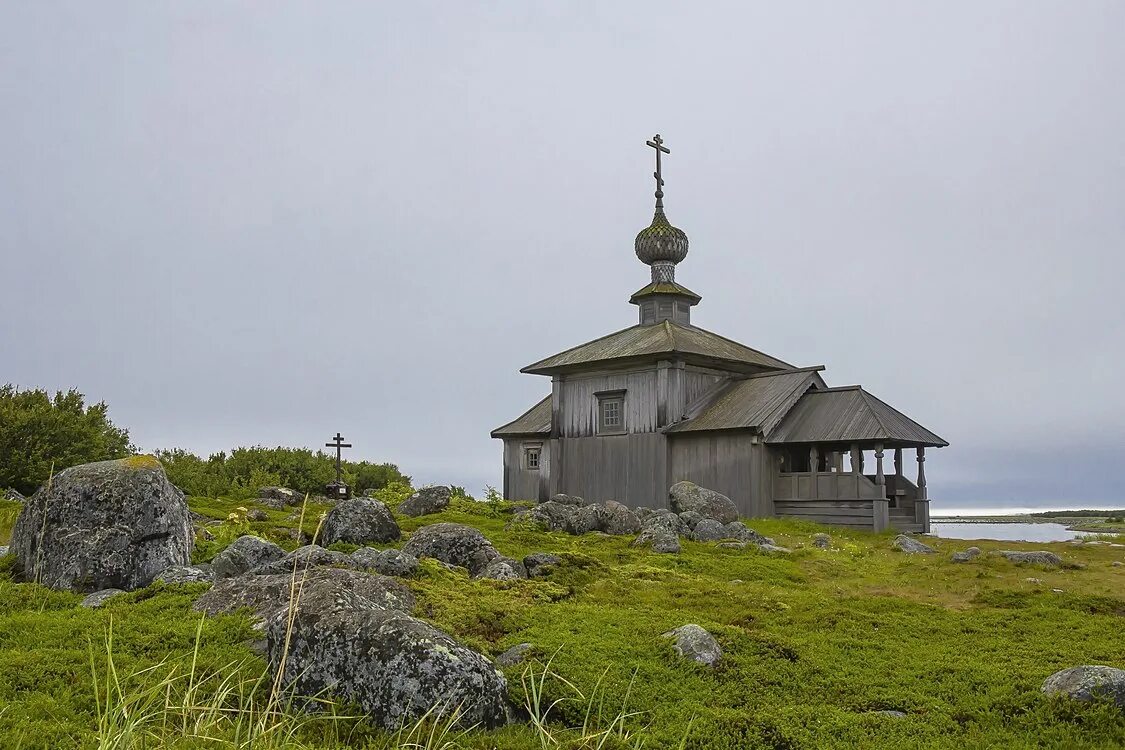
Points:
(849, 415)
(534, 421)
(756, 402)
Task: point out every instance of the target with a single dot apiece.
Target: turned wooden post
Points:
(922, 503)
(814, 465)
(880, 507)
(898, 463)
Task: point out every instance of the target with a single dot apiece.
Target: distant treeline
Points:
(41, 433)
(240, 473)
(1083, 513)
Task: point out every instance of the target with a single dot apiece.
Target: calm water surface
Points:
(1015, 532)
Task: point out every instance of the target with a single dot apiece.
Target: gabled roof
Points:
(534, 421)
(757, 402)
(664, 337)
(849, 415)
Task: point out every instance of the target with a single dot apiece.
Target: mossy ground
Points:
(813, 642)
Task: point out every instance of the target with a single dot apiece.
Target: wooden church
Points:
(635, 411)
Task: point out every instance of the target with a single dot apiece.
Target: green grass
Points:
(813, 643)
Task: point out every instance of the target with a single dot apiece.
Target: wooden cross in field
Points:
(338, 443)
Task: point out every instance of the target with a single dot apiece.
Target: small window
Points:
(611, 413)
(531, 458)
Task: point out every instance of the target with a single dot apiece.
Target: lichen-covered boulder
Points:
(388, 562)
(178, 574)
(112, 524)
(503, 569)
(688, 496)
(303, 558)
(396, 668)
(453, 543)
(540, 564)
(710, 530)
(694, 643)
(965, 555)
(517, 654)
(743, 533)
(245, 554)
(616, 519)
(584, 520)
(911, 546)
(360, 520)
(572, 500)
(323, 588)
(659, 539)
(667, 520)
(690, 518)
(1035, 557)
(426, 501)
(1087, 683)
(279, 497)
(550, 515)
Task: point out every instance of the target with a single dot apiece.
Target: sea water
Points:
(1014, 532)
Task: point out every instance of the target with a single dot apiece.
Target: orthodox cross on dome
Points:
(338, 443)
(658, 143)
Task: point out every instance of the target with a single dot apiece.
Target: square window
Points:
(531, 458)
(611, 414)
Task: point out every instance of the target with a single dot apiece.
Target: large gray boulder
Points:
(688, 496)
(743, 533)
(911, 546)
(572, 500)
(710, 530)
(359, 520)
(396, 668)
(667, 520)
(583, 520)
(1035, 557)
(616, 519)
(452, 543)
(303, 558)
(112, 524)
(178, 574)
(551, 516)
(388, 562)
(1087, 683)
(97, 599)
(426, 501)
(503, 569)
(245, 554)
(268, 595)
(694, 643)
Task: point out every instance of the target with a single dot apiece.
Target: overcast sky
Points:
(252, 223)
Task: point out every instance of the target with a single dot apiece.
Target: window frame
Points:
(527, 450)
(605, 398)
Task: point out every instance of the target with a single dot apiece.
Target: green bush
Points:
(39, 431)
(240, 473)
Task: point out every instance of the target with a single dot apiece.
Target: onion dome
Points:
(661, 245)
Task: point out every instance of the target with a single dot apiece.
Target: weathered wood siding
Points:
(686, 385)
(857, 514)
(520, 483)
(628, 468)
(728, 462)
(578, 410)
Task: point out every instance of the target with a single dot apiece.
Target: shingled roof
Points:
(757, 402)
(849, 415)
(534, 421)
(664, 338)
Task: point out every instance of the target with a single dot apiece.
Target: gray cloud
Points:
(240, 225)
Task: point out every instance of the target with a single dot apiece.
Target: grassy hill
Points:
(815, 644)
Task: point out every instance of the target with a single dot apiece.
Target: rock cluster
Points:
(112, 524)
(576, 516)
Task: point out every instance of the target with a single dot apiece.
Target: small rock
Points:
(243, 555)
(659, 539)
(1037, 557)
(1087, 683)
(743, 533)
(515, 655)
(540, 564)
(389, 562)
(360, 520)
(695, 643)
(733, 545)
(303, 558)
(666, 519)
(1033, 580)
(687, 496)
(1117, 563)
(911, 546)
(3, 550)
(767, 547)
(12, 494)
(616, 519)
(821, 541)
(583, 520)
(279, 497)
(503, 569)
(551, 516)
(426, 501)
(709, 530)
(965, 555)
(889, 713)
(453, 543)
(186, 574)
(98, 598)
(690, 518)
(643, 512)
(257, 514)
